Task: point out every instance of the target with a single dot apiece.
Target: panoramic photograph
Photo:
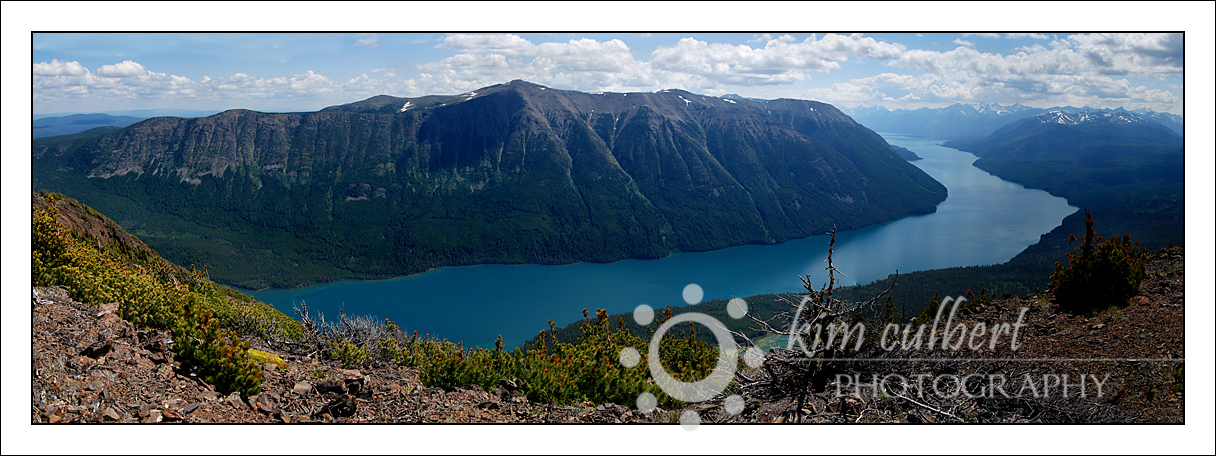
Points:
(649, 233)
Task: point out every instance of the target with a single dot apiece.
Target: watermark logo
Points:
(708, 387)
(829, 333)
(944, 335)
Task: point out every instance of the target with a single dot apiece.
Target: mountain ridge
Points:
(76, 123)
(509, 173)
(969, 121)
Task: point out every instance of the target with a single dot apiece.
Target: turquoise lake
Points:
(984, 220)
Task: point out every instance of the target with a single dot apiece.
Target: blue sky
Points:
(95, 72)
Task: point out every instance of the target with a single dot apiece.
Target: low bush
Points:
(218, 357)
(261, 357)
(1100, 273)
(557, 372)
(155, 294)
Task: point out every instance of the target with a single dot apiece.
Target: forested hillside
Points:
(513, 173)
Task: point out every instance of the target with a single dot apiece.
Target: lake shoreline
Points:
(437, 268)
(984, 220)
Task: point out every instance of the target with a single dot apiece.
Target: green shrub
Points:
(1100, 272)
(968, 307)
(219, 358)
(154, 294)
(350, 354)
(95, 277)
(558, 372)
(261, 357)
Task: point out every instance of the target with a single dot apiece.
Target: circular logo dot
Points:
(647, 402)
(643, 314)
(693, 293)
(690, 419)
(753, 357)
(733, 404)
(736, 308)
(630, 357)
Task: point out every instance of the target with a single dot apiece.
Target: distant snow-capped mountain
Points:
(1076, 118)
(977, 120)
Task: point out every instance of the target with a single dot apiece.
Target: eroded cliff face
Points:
(506, 174)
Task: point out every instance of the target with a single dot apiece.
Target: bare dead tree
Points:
(815, 357)
(809, 361)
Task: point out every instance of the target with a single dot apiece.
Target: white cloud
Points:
(126, 69)
(129, 81)
(1079, 69)
(587, 64)
(1112, 55)
(1011, 36)
(1015, 36)
(58, 68)
(582, 64)
(781, 61)
(497, 43)
(962, 42)
(1125, 53)
(1043, 90)
(367, 39)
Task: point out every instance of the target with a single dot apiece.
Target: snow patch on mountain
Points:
(1074, 118)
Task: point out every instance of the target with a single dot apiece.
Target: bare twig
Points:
(926, 407)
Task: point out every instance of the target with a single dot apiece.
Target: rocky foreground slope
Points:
(89, 365)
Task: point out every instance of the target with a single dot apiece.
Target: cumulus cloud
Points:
(1085, 89)
(1015, 36)
(1133, 52)
(781, 61)
(127, 81)
(1078, 69)
(367, 39)
(1011, 36)
(496, 43)
(1108, 55)
(582, 64)
(126, 69)
(588, 64)
(58, 68)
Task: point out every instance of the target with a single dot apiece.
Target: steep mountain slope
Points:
(1126, 168)
(510, 173)
(1080, 149)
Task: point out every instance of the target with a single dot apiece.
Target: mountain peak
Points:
(485, 176)
(1119, 117)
